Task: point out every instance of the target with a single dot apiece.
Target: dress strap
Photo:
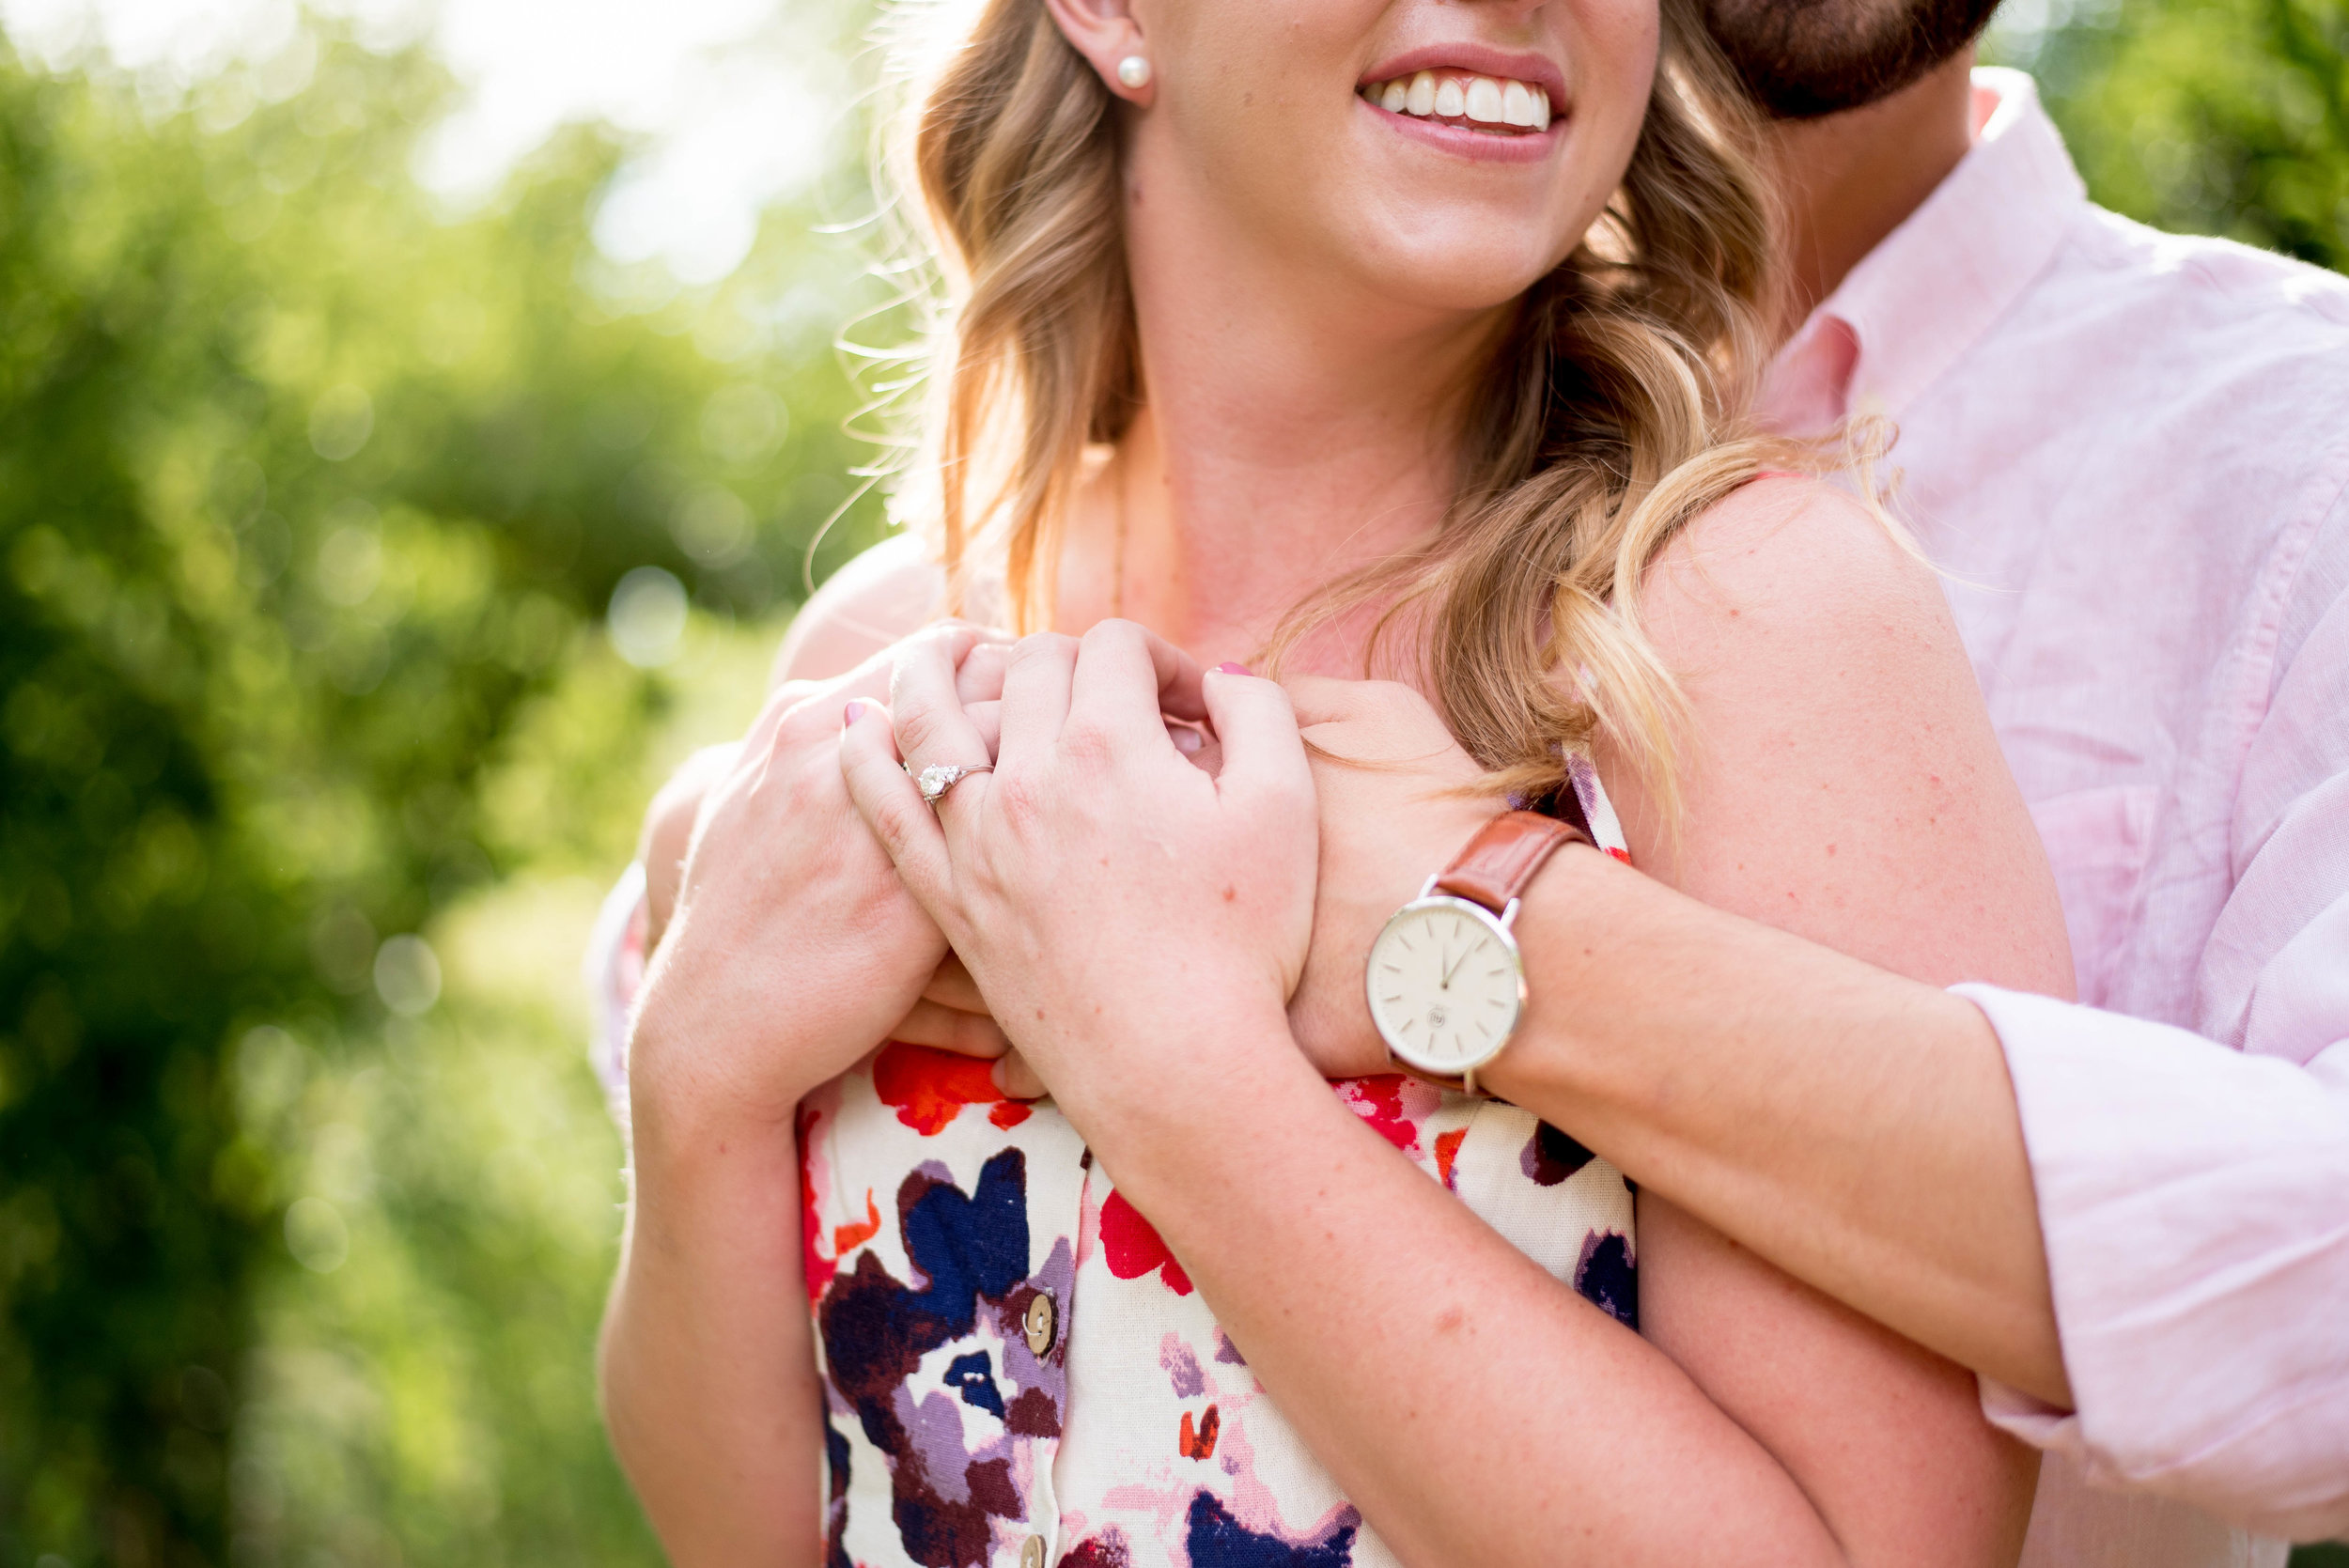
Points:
(1581, 802)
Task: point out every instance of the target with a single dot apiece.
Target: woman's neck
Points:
(1292, 432)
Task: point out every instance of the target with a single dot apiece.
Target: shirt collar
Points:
(1933, 285)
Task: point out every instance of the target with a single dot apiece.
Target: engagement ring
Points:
(940, 777)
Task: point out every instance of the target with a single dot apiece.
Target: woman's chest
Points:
(1018, 1371)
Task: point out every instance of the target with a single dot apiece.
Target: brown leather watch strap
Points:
(1503, 856)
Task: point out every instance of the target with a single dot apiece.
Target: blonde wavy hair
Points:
(1612, 412)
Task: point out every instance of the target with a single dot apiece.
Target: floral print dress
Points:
(1016, 1371)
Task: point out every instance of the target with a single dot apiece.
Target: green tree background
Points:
(326, 520)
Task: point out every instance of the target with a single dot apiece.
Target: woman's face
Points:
(1435, 153)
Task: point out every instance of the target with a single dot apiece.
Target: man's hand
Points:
(1390, 781)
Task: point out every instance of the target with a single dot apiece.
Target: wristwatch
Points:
(1446, 982)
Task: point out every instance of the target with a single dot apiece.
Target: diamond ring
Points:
(940, 777)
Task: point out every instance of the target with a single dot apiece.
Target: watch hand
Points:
(1454, 969)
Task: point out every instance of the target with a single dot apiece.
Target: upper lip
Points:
(1477, 59)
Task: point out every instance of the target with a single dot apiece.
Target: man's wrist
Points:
(1562, 923)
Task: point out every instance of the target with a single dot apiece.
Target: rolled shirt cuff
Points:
(2194, 1203)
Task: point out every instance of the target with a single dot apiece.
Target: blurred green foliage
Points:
(315, 748)
(2210, 117)
(312, 500)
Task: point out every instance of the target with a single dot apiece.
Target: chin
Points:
(1455, 264)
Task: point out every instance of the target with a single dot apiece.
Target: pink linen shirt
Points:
(2129, 451)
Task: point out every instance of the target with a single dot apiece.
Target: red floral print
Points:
(1198, 1443)
(1132, 1246)
(928, 1088)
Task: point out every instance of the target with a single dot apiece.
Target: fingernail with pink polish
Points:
(1228, 668)
(852, 713)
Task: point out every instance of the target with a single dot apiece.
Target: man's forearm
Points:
(1854, 1127)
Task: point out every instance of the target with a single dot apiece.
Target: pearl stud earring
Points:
(1134, 71)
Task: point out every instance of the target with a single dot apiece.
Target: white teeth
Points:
(1482, 98)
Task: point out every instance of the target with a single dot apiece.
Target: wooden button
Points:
(1042, 1323)
(1032, 1555)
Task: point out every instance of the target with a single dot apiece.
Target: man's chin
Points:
(1806, 59)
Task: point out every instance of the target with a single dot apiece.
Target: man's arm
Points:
(1855, 1128)
(2200, 1260)
(1694, 1020)
(1863, 1133)
(2195, 1202)
(1902, 1148)
(1977, 1169)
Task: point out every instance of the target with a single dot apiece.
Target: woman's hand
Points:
(795, 947)
(1112, 898)
(950, 1013)
(668, 833)
(1390, 781)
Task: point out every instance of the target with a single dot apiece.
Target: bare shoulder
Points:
(1839, 777)
(1789, 568)
(889, 590)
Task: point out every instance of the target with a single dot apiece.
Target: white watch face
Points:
(1445, 985)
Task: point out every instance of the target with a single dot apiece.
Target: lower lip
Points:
(1482, 146)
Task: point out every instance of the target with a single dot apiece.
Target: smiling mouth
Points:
(1496, 105)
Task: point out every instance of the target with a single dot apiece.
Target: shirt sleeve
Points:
(614, 970)
(2195, 1203)
(2195, 1197)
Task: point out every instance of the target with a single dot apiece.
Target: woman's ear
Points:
(1108, 35)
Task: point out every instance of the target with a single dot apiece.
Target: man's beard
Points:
(1804, 58)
